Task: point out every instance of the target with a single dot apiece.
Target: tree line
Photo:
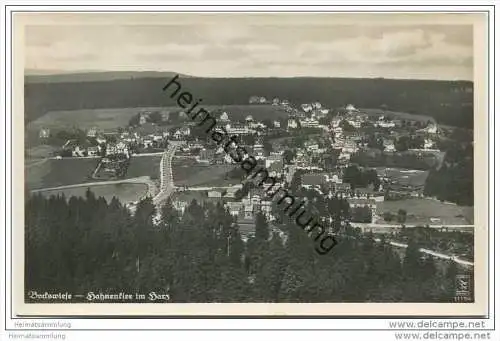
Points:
(454, 180)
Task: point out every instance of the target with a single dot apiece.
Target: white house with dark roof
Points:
(292, 124)
(224, 117)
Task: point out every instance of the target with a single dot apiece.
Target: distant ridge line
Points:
(53, 76)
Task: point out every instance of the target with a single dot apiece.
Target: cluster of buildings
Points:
(341, 131)
(316, 176)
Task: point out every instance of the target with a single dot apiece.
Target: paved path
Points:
(167, 186)
(387, 228)
(209, 188)
(435, 254)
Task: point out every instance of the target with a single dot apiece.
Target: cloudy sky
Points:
(243, 46)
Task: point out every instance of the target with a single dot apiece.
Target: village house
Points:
(356, 123)
(351, 109)
(214, 194)
(92, 132)
(147, 142)
(182, 132)
(389, 146)
(206, 155)
(343, 189)
(266, 208)
(224, 117)
(292, 124)
(316, 105)
(276, 124)
(324, 112)
(307, 107)
(248, 210)
(254, 99)
(370, 203)
(309, 123)
(157, 137)
(428, 144)
(142, 119)
(234, 207)
(238, 129)
(311, 146)
(430, 129)
(180, 205)
(335, 122)
(79, 151)
(272, 158)
(93, 151)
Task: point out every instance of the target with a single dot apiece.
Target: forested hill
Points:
(447, 101)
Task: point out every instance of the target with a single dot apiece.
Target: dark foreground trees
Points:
(87, 244)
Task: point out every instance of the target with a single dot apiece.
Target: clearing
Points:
(187, 173)
(102, 119)
(53, 173)
(421, 210)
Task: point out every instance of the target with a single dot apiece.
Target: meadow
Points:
(53, 173)
(186, 173)
(421, 210)
(399, 115)
(409, 176)
(103, 119)
(110, 119)
(144, 166)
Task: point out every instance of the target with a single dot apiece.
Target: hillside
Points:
(447, 101)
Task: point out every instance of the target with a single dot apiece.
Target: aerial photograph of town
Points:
(248, 161)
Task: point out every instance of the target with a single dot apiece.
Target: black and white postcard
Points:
(237, 164)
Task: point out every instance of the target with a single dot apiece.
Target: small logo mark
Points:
(463, 290)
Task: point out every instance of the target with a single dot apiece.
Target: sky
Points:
(247, 46)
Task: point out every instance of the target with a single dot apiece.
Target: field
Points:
(420, 211)
(103, 119)
(126, 193)
(40, 152)
(189, 174)
(407, 176)
(144, 166)
(398, 115)
(110, 119)
(53, 173)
